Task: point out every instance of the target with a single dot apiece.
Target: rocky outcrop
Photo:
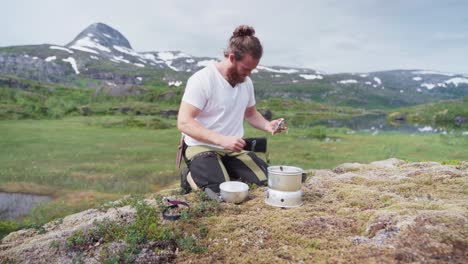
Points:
(104, 35)
(24, 66)
(382, 212)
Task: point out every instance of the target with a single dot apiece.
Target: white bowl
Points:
(234, 191)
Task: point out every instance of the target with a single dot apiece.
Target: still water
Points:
(14, 205)
(378, 122)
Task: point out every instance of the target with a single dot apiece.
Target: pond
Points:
(14, 205)
(379, 122)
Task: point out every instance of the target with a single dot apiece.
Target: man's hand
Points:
(232, 143)
(276, 126)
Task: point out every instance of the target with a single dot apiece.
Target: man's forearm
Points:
(195, 130)
(257, 121)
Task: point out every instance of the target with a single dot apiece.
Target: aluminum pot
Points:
(234, 191)
(285, 178)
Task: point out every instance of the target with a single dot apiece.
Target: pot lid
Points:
(286, 170)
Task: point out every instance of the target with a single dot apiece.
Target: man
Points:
(216, 101)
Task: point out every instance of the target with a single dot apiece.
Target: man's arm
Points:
(255, 119)
(187, 124)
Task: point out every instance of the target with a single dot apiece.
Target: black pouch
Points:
(256, 144)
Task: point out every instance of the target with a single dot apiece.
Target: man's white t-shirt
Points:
(222, 106)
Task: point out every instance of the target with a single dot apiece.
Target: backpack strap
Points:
(180, 152)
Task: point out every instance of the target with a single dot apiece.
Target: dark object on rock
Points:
(172, 212)
(85, 110)
(124, 109)
(460, 120)
(169, 113)
(266, 113)
(400, 117)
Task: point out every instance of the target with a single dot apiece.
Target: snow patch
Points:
(311, 76)
(368, 83)
(401, 91)
(429, 86)
(363, 75)
(51, 58)
(456, 81)
(107, 35)
(126, 50)
(139, 78)
(417, 78)
(168, 56)
(72, 61)
(426, 129)
(139, 65)
(169, 64)
(419, 90)
(433, 72)
(88, 42)
(205, 63)
(288, 71)
(175, 83)
(84, 49)
(189, 60)
(151, 57)
(347, 81)
(94, 58)
(61, 48)
(377, 80)
(120, 58)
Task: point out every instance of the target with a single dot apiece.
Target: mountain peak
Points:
(100, 34)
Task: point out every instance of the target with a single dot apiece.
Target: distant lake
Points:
(14, 205)
(378, 122)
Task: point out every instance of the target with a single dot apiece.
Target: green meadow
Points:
(85, 161)
(105, 155)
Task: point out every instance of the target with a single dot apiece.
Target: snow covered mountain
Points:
(101, 57)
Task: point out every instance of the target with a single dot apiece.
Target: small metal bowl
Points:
(234, 191)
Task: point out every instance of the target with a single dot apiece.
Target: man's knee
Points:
(206, 170)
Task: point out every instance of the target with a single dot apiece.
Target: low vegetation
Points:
(386, 211)
(453, 113)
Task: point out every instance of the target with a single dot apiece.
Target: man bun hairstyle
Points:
(243, 41)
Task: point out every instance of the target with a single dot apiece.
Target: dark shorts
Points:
(209, 167)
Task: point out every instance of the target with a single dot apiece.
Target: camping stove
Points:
(284, 186)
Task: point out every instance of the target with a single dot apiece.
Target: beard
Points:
(234, 77)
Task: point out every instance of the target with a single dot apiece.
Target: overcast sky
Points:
(326, 35)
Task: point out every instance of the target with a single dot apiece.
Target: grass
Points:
(438, 113)
(302, 147)
(85, 161)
